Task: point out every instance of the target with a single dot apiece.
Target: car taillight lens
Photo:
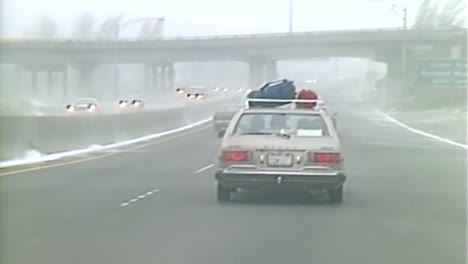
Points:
(326, 157)
(235, 156)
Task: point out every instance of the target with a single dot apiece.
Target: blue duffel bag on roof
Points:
(283, 89)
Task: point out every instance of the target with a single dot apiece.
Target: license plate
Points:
(282, 160)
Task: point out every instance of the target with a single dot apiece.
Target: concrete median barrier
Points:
(52, 134)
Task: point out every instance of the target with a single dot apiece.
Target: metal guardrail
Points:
(224, 37)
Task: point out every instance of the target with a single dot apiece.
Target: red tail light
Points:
(235, 156)
(327, 157)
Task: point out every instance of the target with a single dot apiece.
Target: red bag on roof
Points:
(307, 95)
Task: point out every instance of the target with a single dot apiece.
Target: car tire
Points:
(223, 194)
(336, 196)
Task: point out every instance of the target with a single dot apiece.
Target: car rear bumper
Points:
(285, 181)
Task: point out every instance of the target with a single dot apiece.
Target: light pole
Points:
(119, 28)
(401, 12)
(291, 7)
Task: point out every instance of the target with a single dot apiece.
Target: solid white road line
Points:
(204, 168)
(96, 148)
(441, 139)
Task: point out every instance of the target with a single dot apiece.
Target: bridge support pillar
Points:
(261, 69)
(115, 80)
(170, 78)
(256, 72)
(48, 89)
(50, 83)
(271, 70)
(34, 86)
(65, 92)
(156, 76)
(17, 80)
(163, 76)
(85, 81)
(390, 88)
(146, 77)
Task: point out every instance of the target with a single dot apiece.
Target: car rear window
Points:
(301, 125)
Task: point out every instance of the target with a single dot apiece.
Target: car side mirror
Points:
(221, 133)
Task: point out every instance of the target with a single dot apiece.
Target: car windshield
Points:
(300, 125)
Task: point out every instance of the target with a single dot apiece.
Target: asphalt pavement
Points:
(155, 203)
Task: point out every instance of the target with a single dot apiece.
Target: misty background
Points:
(55, 18)
(89, 20)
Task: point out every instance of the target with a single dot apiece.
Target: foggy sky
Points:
(208, 17)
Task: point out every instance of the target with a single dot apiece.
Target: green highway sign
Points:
(442, 72)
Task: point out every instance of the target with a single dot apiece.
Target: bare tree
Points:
(47, 28)
(152, 29)
(109, 28)
(453, 14)
(427, 15)
(103, 28)
(115, 26)
(157, 30)
(103, 32)
(460, 22)
(85, 26)
(145, 31)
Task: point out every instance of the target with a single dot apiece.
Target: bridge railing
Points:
(409, 32)
(224, 37)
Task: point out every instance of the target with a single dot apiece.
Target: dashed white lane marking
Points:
(139, 197)
(204, 168)
(448, 141)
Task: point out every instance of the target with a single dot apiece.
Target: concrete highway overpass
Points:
(260, 51)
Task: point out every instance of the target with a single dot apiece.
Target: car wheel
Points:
(336, 196)
(223, 194)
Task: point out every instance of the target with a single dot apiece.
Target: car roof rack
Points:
(288, 103)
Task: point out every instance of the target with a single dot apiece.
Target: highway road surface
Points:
(155, 203)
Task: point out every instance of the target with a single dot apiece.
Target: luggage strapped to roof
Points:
(292, 103)
(278, 90)
(281, 93)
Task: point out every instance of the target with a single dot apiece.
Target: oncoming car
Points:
(194, 96)
(195, 92)
(281, 148)
(131, 104)
(220, 89)
(83, 105)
